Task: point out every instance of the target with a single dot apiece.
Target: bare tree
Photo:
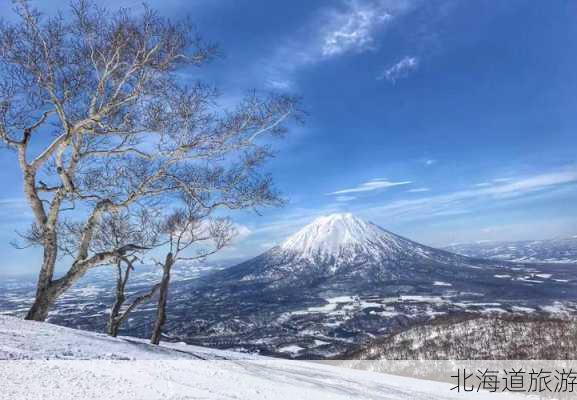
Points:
(181, 232)
(114, 231)
(117, 314)
(94, 107)
(185, 229)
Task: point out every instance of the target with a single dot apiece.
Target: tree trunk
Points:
(113, 326)
(47, 294)
(162, 298)
(113, 321)
(48, 289)
(45, 297)
(42, 304)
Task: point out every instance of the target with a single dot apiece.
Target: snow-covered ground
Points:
(44, 361)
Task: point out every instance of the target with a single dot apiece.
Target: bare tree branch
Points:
(93, 105)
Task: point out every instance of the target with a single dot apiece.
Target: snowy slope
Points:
(31, 340)
(140, 372)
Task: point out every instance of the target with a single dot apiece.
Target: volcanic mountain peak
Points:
(336, 233)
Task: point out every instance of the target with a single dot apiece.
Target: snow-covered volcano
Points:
(342, 235)
(339, 245)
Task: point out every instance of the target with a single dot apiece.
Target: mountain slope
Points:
(141, 371)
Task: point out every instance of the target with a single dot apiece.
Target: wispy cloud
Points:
(374, 184)
(280, 84)
(418, 190)
(492, 182)
(400, 69)
(499, 180)
(346, 27)
(495, 191)
(353, 29)
(13, 208)
(539, 182)
(344, 199)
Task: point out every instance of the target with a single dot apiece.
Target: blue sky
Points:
(444, 120)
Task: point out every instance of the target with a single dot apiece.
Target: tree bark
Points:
(113, 321)
(45, 297)
(42, 304)
(162, 299)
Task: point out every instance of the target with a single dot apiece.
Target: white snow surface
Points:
(44, 361)
(335, 234)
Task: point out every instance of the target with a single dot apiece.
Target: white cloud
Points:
(400, 70)
(530, 184)
(430, 162)
(369, 186)
(427, 206)
(344, 199)
(14, 209)
(345, 27)
(502, 180)
(418, 190)
(242, 231)
(353, 29)
(279, 84)
(13, 202)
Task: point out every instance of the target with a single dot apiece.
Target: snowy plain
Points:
(44, 361)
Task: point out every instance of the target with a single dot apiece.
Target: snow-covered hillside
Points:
(563, 250)
(140, 371)
(514, 337)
